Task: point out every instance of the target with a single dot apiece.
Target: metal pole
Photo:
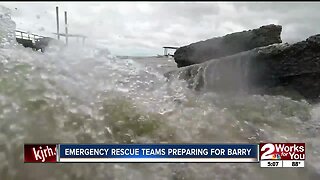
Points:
(66, 26)
(57, 14)
(165, 51)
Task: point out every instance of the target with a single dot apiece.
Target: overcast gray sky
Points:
(142, 28)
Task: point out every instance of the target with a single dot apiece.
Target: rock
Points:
(227, 45)
(281, 68)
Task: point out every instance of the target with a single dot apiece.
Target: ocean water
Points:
(78, 95)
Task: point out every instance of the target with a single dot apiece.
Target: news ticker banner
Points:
(268, 154)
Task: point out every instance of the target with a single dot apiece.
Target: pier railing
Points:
(27, 36)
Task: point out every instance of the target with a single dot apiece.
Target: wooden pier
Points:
(28, 40)
(37, 42)
(165, 50)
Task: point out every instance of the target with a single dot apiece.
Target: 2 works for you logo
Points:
(40, 153)
(282, 151)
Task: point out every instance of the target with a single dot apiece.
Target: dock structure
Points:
(28, 40)
(37, 42)
(66, 34)
(25, 35)
(165, 49)
(77, 36)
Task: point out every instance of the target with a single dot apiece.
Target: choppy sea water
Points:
(76, 95)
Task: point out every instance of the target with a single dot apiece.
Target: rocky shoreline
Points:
(227, 45)
(277, 69)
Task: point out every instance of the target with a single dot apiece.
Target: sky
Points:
(143, 28)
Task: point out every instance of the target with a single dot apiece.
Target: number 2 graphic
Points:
(268, 153)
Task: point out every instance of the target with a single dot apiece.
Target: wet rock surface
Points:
(283, 69)
(227, 45)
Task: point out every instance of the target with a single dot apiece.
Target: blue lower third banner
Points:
(158, 153)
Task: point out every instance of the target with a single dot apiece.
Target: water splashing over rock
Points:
(78, 96)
